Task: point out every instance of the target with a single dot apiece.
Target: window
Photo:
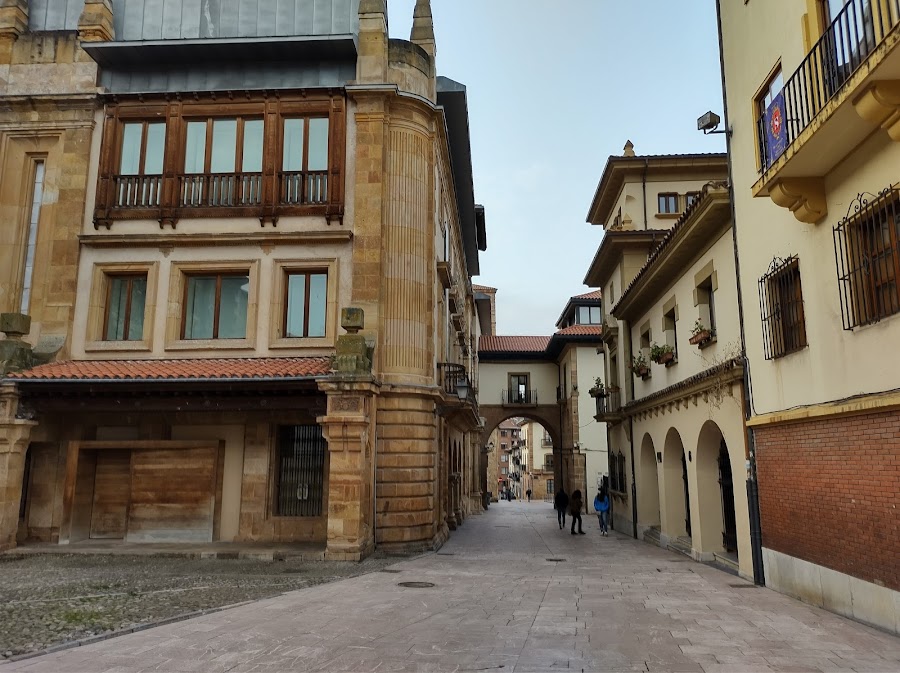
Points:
(305, 304)
(668, 204)
(504, 470)
(215, 306)
(689, 199)
(867, 246)
(518, 392)
(617, 480)
(781, 302)
(548, 462)
(550, 489)
(503, 446)
(300, 476)
(34, 217)
(139, 183)
(214, 149)
(706, 302)
(503, 433)
(504, 458)
(304, 162)
(670, 331)
(771, 130)
(125, 299)
(588, 315)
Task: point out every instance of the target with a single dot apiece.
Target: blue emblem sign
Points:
(776, 129)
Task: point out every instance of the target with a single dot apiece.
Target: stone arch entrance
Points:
(677, 511)
(648, 487)
(715, 492)
(546, 415)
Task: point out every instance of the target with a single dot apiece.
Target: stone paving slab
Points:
(498, 604)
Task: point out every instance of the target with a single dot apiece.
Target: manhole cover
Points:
(743, 586)
(416, 585)
(557, 560)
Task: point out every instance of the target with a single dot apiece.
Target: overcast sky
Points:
(554, 88)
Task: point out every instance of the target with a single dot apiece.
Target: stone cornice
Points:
(728, 373)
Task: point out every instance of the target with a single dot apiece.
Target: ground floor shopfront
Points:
(345, 464)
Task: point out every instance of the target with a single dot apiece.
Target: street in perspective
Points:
(449, 335)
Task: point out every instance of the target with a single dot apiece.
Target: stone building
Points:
(815, 161)
(273, 168)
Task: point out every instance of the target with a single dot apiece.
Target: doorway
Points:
(726, 487)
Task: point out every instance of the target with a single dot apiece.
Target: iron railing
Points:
(300, 486)
(867, 255)
(217, 190)
(520, 397)
(609, 403)
(844, 46)
(450, 375)
(304, 188)
(781, 308)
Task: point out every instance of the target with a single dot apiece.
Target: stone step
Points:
(651, 535)
(682, 545)
(726, 562)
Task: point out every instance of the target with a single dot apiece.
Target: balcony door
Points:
(518, 388)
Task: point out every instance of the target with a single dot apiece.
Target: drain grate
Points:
(557, 560)
(416, 585)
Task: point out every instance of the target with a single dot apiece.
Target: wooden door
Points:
(172, 495)
(112, 481)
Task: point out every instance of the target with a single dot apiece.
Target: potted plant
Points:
(599, 389)
(662, 354)
(639, 365)
(700, 334)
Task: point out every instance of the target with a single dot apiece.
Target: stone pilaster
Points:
(372, 62)
(14, 437)
(96, 22)
(349, 428)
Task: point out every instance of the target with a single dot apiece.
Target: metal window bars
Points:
(844, 46)
(300, 490)
(867, 256)
(781, 308)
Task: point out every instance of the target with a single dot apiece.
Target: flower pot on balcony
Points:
(700, 337)
(641, 371)
(665, 358)
(598, 392)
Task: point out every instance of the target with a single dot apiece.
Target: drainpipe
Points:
(631, 437)
(759, 575)
(644, 187)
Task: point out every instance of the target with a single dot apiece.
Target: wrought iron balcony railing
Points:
(845, 45)
(513, 397)
(453, 378)
(609, 404)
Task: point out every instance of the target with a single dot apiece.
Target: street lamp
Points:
(462, 388)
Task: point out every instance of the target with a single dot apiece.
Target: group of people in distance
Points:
(563, 503)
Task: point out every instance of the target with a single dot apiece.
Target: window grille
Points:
(617, 473)
(300, 489)
(781, 308)
(867, 254)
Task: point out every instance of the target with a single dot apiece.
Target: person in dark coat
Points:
(561, 503)
(575, 507)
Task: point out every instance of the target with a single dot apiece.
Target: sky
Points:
(554, 88)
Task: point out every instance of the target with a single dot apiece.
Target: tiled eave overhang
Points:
(694, 233)
(725, 373)
(618, 169)
(613, 245)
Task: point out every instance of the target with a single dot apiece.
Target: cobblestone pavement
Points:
(511, 592)
(47, 600)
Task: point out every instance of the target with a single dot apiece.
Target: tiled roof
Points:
(595, 294)
(581, 330)
(156, 370)
(483, 288)
(513, 344)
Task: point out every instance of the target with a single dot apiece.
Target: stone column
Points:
(14, 438)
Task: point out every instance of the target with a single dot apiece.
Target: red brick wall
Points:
(829, 493)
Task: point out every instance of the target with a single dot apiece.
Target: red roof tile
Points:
(513, 344)
(483, 288)
(581, 330)
(154, 370)
(595, 294)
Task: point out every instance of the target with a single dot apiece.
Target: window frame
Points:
(671, 198)
(780, 338)
(218, 275)
(130, 276)
(142, 156)
(308, 273)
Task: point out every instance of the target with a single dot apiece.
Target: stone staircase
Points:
(682, 545)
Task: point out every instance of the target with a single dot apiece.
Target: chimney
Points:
(629, 149)
(372, 62)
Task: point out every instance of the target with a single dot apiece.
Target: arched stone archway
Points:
(717, 530)
(675, 497)
(648, 485)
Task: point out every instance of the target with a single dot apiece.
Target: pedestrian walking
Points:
(601, 506)
(561, 504)
(575, 505)
(528, 493)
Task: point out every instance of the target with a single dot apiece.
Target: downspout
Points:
(631, 436)
(759, 575)
(644, 187)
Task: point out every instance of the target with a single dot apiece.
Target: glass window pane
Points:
(136, 314)
(318, 145)
(251, 161)
(195, 148)
(156, 147)
(130, 163)
(224, 146)
(318, 292)
(293, 145)
(295, 308)
(233, 307)
(200, 309)
(595, 315)
(118, 299)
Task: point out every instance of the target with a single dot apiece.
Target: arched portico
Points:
(648, 485)
(675, 492)
(717, 529)
(546, 415)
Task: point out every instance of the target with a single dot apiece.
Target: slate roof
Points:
(177, 370)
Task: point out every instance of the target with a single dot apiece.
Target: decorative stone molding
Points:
(13, 18)
(422, 32)
(96, 22)
(879, 104)
(804, 197)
